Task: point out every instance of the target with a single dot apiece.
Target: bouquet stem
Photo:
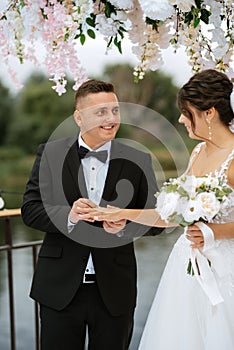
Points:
(190, 270)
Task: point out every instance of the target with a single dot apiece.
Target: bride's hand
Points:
(195, 236)
(103, 214)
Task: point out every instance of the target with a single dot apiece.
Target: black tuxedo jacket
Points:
(55, 182)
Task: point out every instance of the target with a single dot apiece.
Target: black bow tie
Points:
(85, 153)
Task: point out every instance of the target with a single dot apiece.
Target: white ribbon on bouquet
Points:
(201, 266)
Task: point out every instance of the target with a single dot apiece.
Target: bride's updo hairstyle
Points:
(204, 90)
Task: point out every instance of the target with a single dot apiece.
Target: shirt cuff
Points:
(120, 233)
(70, 225)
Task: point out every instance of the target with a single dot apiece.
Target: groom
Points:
(86, 271)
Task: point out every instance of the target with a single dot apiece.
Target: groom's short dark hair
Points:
(93, 86)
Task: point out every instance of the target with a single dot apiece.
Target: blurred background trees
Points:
(6, 112)
(38, 111)
(29, 118)
(156, 91)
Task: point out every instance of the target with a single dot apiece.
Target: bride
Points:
(189, 311)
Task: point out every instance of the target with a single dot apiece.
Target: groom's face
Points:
(98, 117)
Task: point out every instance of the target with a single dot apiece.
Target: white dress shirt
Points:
(95, 173)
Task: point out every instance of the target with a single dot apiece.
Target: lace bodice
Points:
(220, 172)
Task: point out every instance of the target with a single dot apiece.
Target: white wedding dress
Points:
(182, 316)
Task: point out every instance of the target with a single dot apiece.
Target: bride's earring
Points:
(209, 129)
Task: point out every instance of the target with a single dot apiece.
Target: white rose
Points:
(190, 184)
(167, 204)
(192, 211)
(182, 205)
(209, 204)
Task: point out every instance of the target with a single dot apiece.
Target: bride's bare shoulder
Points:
(231, 173)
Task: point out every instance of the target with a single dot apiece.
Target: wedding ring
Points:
(95, 217)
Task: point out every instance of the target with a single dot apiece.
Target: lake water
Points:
(151, 253)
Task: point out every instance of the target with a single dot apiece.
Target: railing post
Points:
(9, 246)
(8, 240)
(36, 311)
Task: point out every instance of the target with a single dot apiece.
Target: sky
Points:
(94, 58)
(175, 64)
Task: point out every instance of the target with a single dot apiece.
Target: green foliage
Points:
(82, 39)
(154, 23)
(197, 14)
(91, 20)
(39, 110)
(109, 9)
(91, 33)
(10, 153)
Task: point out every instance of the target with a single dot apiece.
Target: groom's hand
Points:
(114, 226)
(74, 215)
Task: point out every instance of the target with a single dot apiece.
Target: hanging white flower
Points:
(107, 26)
(183, 5)
(122, 4)
(157, 9)
(220, 51)
(119, 16)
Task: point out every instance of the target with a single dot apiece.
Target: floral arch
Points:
(205, 28)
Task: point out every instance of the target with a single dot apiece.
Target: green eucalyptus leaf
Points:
(198, 3)
(91, 33)
(90, 21)
(82, 39)
(118, 44)
(110, 41)
(205, 14)
(188, 17)
(196, 22)
(22, 3)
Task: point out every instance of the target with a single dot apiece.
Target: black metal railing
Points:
(9, 246)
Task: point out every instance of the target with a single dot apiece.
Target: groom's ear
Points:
(77, 117)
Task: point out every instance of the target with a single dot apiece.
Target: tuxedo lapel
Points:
(113, 174)
(74, 171)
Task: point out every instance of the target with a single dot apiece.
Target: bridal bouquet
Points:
(189, 199)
